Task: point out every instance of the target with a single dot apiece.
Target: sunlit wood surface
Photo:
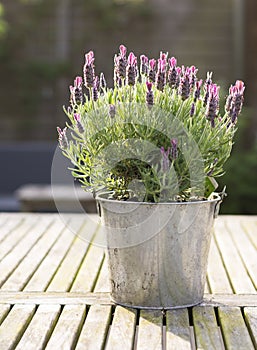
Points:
(54, 291)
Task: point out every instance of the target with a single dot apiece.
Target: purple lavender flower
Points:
(192, 72)
(178, 71)
(102, 81)
(207, 83)
(212, 106)
(197, 92)
(172, 73)
(63, 141)
(235, 100)
(131, 70)
(184, 86)
(120, 64)
(149, 94)
(161, 74)
(143, 65)
(152, 72)
(76, 92)
(174, 148)
(77, 119)
(95, 89)
(89, 70)
(112, 110)
(165, 159)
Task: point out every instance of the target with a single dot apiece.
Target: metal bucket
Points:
(157, 253)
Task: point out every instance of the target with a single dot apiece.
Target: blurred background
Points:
(42, 46)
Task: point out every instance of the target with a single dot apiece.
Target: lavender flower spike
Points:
(152, 72)
(102, 81)
(212, 107)
(172, 73)
(63, 141)
(161, 74)
(77, 119)
(143, 65)
(149, 94)
(89, 71)
(235, 100)
(131, 70)
(76, 91)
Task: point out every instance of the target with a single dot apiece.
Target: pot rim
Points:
(100, 197)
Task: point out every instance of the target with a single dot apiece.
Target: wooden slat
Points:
(7, 226)
(67, 271)
(13, 258)
(63, 298)
(122, 330)
(250, 227)
(150, 330)
(15, 236)
(251, 320)
(88, 272)
(95, 328)
(15, 324)
(4, 309)
(178, 335)
(234, 330)
(40, 328)
(45, 272)
(26, 268)
(246, 250)
(103, 283)
(207, 332)
(237, 273)
(217, 276)
(67, 329)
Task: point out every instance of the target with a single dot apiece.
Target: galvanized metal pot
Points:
(157, 253)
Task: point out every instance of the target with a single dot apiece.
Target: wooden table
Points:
(54, 291)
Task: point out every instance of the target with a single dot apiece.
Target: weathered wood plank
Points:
(68, 327)
(88, 272)
(32, 260)
(103, 283)
(177, 330)
(217, 276)
(63, 298)
(150, 330)
(4, 309)
(15, 236)
(238, 275)
(122, 330)
(40, 328)
(234, 330)
(13, 258)
(15, 324)
(92, 298)
(250, 227)
(245, 248)
(67, 271)
(207, 333)
(46, 270)
(251, 321)
(7, 226)
(95, 328)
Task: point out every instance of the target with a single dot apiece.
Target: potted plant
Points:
(150, 148)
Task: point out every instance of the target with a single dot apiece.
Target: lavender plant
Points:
(157, 135)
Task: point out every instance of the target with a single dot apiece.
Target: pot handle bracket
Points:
(222, 195)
